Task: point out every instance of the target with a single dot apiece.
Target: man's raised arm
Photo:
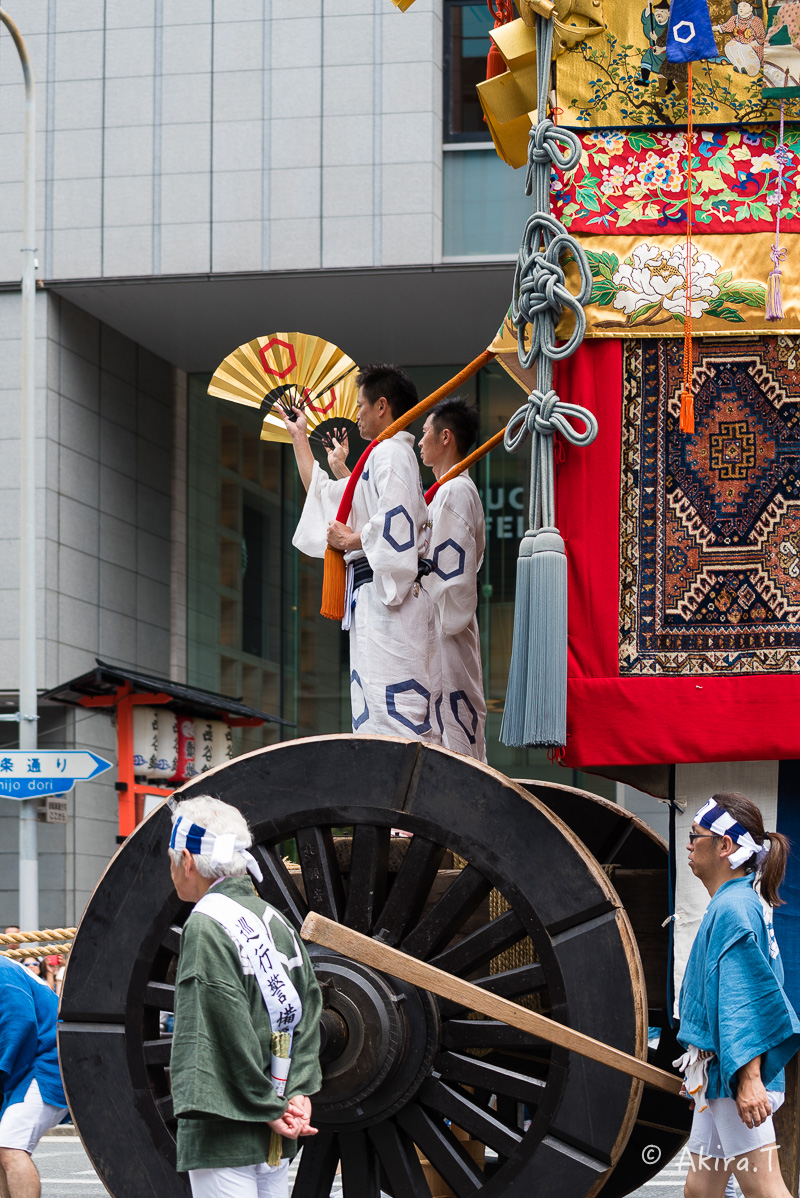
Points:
(298, 431)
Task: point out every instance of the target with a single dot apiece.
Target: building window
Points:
(466, 33)
(484, 206)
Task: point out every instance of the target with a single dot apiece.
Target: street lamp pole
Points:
(28, 847)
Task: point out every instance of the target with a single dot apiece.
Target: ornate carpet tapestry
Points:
(710, 526)
(684, 554)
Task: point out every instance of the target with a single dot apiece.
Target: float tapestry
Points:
(635, 180)
(626, 203)
(623, 77)
(710, 523)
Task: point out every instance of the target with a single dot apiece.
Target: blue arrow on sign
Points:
(24, 775)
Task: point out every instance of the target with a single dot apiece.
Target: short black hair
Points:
(461, 418)
(384, 379)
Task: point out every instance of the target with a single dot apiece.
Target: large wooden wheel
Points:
(401, 1069)
(637, 860)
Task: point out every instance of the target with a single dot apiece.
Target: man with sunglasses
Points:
(736, 1023)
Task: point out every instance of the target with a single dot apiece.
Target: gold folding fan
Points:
(291, 370)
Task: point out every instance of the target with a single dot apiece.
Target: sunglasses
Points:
(693, 836)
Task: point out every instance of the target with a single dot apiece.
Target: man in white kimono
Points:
(395, 666)
(458, 542)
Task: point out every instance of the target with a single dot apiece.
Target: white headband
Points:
(721, 823)
(200, 842)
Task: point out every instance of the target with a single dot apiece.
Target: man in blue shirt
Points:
(33, 1099)
(736, 1023)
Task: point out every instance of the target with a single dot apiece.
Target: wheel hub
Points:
(378, 1037)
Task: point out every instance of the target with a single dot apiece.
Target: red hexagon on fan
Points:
(262, 353)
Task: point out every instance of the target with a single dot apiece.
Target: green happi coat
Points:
(221, 1092)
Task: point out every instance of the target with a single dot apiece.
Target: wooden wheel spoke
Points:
(161, 995)
(278, 887)
(461, 899)
(323, 881)
(410, 890)
(462, 1110)
(172, 939)
(511, 983)
(360, 1172)
(486, 1033)
(157, 1052)
(450, 1160)
(496, 1079)
(399, 1159)
(481, 945)
(317, 1169)
(366, 889)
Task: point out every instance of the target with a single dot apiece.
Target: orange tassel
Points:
(334, 584)
(687, 413)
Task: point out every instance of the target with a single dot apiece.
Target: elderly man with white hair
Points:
(242, 975)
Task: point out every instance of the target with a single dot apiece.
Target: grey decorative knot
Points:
(540, 293)
(544, 149)
(546, 414)
(543, 415)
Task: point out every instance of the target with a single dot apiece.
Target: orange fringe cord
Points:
(334, 584)
(687, 398)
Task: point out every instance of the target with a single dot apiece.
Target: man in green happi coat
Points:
(243, 974)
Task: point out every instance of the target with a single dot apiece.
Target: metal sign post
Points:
(28, 846)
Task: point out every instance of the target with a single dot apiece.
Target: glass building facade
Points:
(254, 628)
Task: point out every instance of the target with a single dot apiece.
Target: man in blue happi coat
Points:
(33, 1098)
(736, 1023)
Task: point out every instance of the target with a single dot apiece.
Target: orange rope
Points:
(687, 399)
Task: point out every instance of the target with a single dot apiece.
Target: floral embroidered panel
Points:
(622, 77)
(636, 180)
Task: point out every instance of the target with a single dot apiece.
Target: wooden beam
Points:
(399, 965)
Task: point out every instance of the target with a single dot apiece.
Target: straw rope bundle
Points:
(37, 950)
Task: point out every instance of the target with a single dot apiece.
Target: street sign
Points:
(26, 774)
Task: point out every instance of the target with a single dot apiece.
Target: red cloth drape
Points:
(637, 721)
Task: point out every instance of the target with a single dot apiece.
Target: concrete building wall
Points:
(104, 456)
(185, 136)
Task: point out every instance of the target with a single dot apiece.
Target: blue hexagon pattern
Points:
(389, 519)
(358, 720)
(402, 688)
(460, 556)
(457, 697)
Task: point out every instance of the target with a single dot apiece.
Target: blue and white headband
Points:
(200, 842)
(721, 823)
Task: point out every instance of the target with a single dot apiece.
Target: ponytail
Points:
(773, 869)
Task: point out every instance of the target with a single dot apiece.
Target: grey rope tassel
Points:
(536, 698)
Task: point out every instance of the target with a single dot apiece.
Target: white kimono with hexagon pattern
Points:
(395, 663)
(458, 543)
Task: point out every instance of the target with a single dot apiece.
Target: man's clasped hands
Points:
(295, 1120)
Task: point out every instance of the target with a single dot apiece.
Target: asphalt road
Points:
(67, 1173)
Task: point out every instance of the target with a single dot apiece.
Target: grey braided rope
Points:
(539, 297)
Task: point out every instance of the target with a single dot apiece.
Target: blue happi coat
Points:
(28, 1015)
(732, 1000)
